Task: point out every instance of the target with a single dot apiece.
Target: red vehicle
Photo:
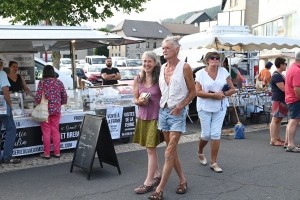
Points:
(127, 77)
(94, 74)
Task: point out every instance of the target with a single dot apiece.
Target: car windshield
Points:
(134, 63)
(98, 60)
(95, 69)
(129, 74)
(66, 61)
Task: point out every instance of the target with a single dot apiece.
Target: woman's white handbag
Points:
(41, 113)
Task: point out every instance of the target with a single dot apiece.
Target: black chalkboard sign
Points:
(94, 136)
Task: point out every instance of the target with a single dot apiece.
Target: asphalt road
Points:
(252, 169)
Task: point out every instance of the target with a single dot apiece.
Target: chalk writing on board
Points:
(88, 134)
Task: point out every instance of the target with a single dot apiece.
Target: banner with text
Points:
(121, 121)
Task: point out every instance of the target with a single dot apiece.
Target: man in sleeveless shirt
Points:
(178, 90)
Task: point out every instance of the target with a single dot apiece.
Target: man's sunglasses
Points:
(214, 57)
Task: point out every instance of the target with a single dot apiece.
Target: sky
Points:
(155, 10)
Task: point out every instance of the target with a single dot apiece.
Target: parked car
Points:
(81, 73)
(39, 67)
(127, 77)
(66, 79)
(95, 61)
(193, 104)
(134, 62)
(65, 62)
(80, 63)
(114, 60)
(94, 74)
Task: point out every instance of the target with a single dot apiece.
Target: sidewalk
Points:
(31, 161)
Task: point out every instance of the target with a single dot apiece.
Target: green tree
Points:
(67, 12)
(102, 50)
(110, 26)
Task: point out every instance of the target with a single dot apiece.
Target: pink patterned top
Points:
(55, 93)
(149, 112)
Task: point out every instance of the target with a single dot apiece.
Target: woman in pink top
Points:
(56, 95)
(146, 132)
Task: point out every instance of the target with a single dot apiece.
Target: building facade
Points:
(281, 19)
(152, 32)
(239, 12)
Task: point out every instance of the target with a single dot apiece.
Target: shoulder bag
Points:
(41, 113)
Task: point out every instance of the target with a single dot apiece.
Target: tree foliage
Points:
(68, 12)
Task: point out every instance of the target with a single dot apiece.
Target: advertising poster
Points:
(25, 64)
(121, 121)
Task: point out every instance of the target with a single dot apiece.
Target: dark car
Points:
(81, 73)
(193, 104)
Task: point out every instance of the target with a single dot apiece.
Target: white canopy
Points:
(237, 41)
(194, 56)
(47, 38)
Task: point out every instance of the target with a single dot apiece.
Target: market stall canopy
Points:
(237, 38)
(194, 57)
(54, 38)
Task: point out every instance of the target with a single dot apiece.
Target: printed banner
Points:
(114, 120)
(128, 117)
(29, 134)
(25, 65)
(121, 121)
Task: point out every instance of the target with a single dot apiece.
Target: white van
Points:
(39, 67)
(97, 61)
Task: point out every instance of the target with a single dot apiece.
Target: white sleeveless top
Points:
(208, 84)
(177, 90)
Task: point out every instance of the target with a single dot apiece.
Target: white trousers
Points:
(211, 124)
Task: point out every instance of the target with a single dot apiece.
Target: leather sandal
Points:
(182, 188)
(204, 161)
(294, 149)
(143, 189)
(156, 181)
(157, 196)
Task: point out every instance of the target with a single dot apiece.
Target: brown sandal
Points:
(156, 181)
(143, 189)
(156, 196)
(182, 188)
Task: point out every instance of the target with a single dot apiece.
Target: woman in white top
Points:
(212, 104)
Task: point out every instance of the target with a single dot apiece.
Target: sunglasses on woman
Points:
(214, 57)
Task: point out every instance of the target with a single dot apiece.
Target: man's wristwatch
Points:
(224, 93)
